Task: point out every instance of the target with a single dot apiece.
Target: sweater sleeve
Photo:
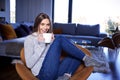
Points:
(33, 50)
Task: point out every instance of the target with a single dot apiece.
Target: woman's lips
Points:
(44, 31)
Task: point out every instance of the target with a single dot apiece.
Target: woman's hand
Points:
(41, 38)
(52, 38)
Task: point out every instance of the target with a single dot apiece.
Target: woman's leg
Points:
(72, 50)
(68, 65)
(51, 63)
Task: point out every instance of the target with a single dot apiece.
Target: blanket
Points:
(99, 54)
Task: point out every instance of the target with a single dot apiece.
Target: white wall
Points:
(27, 10)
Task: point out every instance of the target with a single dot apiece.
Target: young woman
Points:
(44, 58)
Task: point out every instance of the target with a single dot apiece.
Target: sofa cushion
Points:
(20, 32)
(88, 30)
(7, 31)
(67, 28)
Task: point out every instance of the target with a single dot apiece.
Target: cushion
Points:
(31, 28)
(57, 31)
(67, 28)
(26, 28)
(7, 31)
(20, 32)
(88, 30)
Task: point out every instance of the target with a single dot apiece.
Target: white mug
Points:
(48, 37)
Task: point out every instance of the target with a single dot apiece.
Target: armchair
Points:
(82, 73)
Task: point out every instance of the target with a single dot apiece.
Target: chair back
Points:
(107, 42)
(22, 56)
(24, 72)
(116, 39)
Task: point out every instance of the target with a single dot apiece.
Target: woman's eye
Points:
(48, 24)
(42, 24)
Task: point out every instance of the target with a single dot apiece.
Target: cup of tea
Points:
(47, 37)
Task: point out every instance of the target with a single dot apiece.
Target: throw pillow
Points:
(26, 28)
(20, 32)
(31, 28)
(7, 31)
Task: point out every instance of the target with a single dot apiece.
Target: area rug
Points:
(99, 54)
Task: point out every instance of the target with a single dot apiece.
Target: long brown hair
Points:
(39, 19)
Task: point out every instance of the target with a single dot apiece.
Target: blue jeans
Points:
(52, 66)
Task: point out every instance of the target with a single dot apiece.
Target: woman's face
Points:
(44, 26)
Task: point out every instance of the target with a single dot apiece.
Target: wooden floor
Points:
(8, 72)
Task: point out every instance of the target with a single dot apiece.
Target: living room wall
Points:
(5, 13)
(27, 10)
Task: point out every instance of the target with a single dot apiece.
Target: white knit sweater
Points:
(35, 53)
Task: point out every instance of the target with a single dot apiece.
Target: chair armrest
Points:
(82, 74)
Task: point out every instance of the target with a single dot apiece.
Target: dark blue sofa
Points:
(74, 32)
(78, 32)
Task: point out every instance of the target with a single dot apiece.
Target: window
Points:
(61, 11)
(12, 11)
(95, 11)
(88, 12)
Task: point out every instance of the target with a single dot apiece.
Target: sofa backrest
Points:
(88, 30)
(67, 28)
(79, 29)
